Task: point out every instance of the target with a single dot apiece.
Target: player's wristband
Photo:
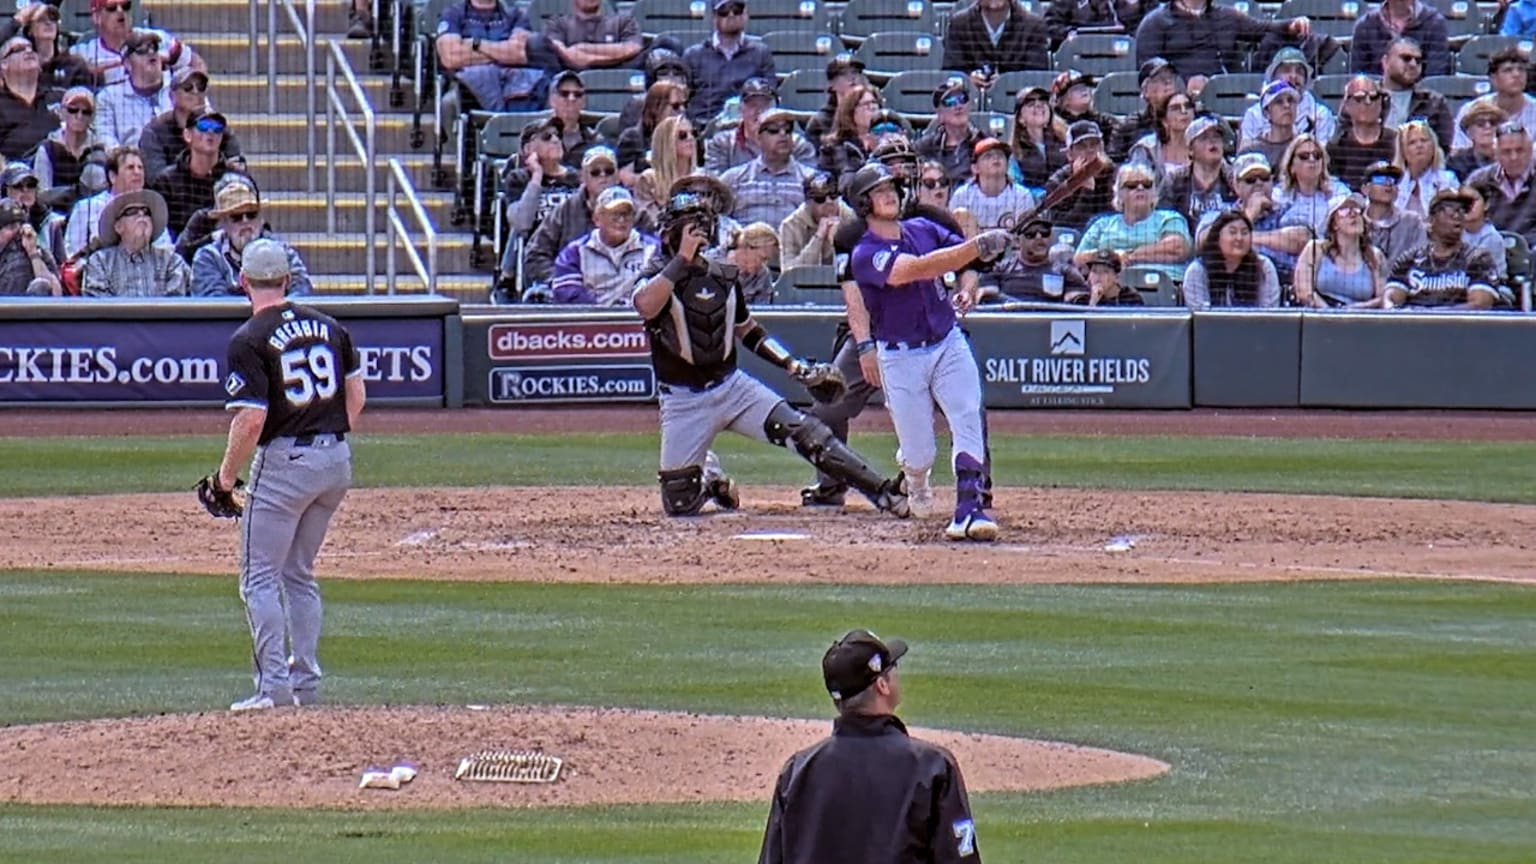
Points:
(865, 347)
(676, 270)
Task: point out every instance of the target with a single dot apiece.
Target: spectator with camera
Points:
(26, 268)
(604, 266)
(164, 138)
(22, 186)
(216, 264)
(128, 264)
(806, 235)
(722, 63)
(125, 108)
(988, 37)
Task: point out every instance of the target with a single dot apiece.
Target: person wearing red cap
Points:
(869, 792)
(113, 20)
(991, 198)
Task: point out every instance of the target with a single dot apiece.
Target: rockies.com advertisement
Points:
(184, 360)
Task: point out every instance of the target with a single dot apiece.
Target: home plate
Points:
(772, 535)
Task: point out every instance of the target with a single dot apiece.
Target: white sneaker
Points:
(976, 526)
(919, 495)
(259, 702)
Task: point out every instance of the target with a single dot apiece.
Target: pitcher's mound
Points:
(314, 757)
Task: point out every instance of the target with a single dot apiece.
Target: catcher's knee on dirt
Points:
(816, 444)
(683, 491)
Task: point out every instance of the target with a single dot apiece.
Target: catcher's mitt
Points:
(824, 381)
(220, 503)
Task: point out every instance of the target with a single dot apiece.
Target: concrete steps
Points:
(347, 253)
(241, 95)
(305, 212)
(464, 287)
(287, 133)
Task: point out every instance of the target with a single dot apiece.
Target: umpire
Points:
(869, 793)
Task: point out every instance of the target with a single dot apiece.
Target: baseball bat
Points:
(1069, 187)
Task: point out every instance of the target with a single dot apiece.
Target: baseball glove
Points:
(220, 503)
(822, 379)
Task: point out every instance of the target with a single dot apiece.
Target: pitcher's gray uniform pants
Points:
(294, 491)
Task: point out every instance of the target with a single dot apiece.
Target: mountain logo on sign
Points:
(1069, 338)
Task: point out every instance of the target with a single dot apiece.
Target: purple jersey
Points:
(916, 312)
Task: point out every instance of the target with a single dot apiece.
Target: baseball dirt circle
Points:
(563, 534)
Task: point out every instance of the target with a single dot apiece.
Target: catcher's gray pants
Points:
(690, 420)
(296, 486)
(854, 400)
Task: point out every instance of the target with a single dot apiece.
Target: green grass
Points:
(1358, 722)
(1504, 471)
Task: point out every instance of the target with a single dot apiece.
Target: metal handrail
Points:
(305, 29)
(400, 183)
(365, 146)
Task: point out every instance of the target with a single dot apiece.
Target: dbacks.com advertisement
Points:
(567, 340)
(183, 361)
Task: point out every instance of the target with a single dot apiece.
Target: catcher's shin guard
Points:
(683, 491)
(816, 444)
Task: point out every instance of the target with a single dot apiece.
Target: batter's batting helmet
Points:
(865, 181)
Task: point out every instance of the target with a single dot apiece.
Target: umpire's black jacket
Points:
(869, 794)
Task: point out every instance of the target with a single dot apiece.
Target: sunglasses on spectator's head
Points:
(245, 216)
(733, 9)
(956, 99)
(81, 111)
(210, 125)
(572, 95)
(935, 182)
(1513, 127)
(136, 210)
(600, 172)
(775, 129)
(194, 86)
(1036, 233)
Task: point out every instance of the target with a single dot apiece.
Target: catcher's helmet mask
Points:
(689, 208)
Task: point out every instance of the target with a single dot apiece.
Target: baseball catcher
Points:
(695, 314)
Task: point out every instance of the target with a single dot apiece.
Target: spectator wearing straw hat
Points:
(128, 264)
(1478, 123)
(216, 265)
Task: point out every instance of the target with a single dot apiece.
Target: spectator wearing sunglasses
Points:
(992, 36)
(59, 70)
(664, 99)
(1507, 183)
(1478, 123)
(124, 167)
(1033, 273)
(1421, 22)
(806, 235)
(951, 141)
(1341, 268)
(1446, 272)
(990, 198)
(933, 186)
(1072, 94)
(21, 185)
(571, 220)
(125, 108)
(26, 268)
(722, 63)
(187, 184)
(1274, 237)
(661, 64)
(732, 146)
(674, 154)
(1363, 138)
(1138, 233)
(568, 99)
(489, 47)
(538, 183)
(1312, 116)
(1508, 74)
(1402, 68)
(106, 55)
(62, 156)
(589, 38)
(163, 139)
(848, 146)
(129, 264)
(771, 186)
(1391, 230)
(216, 266)
(25, 119)
(1304, 185)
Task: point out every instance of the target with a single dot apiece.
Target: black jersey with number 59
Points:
(292, 361)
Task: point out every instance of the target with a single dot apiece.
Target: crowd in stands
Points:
(1391, 195)
(120, 178)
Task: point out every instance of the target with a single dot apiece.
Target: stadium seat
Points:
(867, 17)
(540, 11)
(1472, 59)
(1457, 89)
(660, 16)
(1334, 18)
(1155, 287)
(885, 54)
(610, 90)
(1118, 93)
(1329, 89)
(1517, 257)
(808, 286)
(803, 91)
(1008, 84)
(499, 139)
(1097, 53)
(993, 123)
(911, 92)
(609, 129)
(1229, 95)
(683, 36)
(797, 49)
(802, 15)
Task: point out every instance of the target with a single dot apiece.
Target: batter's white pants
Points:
(913, 380)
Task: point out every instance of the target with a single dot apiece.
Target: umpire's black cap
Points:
(856, 660)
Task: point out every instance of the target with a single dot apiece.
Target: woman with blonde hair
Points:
(664, 99)
(674, 154)
(1307, 186)
(1137, 231)
(1342, 268)
(1423, 164)
(755, 252)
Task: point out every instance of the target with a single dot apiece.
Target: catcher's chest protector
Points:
(699, 325)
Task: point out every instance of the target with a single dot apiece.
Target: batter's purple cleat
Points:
(971, 521)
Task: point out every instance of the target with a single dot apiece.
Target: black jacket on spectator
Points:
(1372, 36)
(841, 159)
(1463, 162)
(163, 144)
(715, 78)
(1035, 166)
(1025, 43)
(1517, 214)
(954, 156)
(1127, 133)
(23, 126)
(1204, 44)
(1347, 159)
(633, 149)
(823, 121)
(572, 220)
(64, 71)
(1078, 210)
(184, 193)
(1432, 106)
(1179, 195)
(1062, 17)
